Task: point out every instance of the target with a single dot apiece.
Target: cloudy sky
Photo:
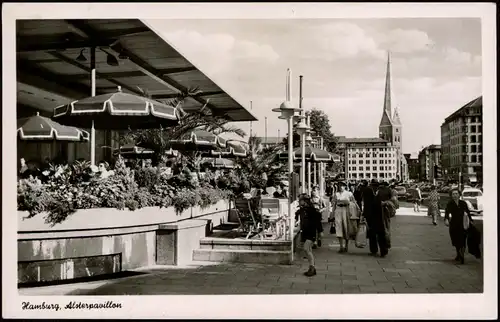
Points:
(436, 68)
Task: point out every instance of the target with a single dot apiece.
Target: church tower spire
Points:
(387, 93)
(386, 122)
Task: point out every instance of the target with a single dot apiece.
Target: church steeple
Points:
(387, 94)
(395, 119)
(387, 111)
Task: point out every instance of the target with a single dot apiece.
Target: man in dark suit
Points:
(369, 213)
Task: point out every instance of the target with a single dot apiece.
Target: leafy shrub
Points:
(184, 199)
(79, 187)
(147, 177)
(32, 196)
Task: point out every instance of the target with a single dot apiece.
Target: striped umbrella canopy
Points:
(312, 155)
(218, 163)
(40, 128)
(117, 111)
(234, 149)
(171, 153)
(198, 140)
(132, 151)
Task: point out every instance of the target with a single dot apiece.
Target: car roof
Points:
(471, 189)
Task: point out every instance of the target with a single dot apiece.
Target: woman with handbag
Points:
(433, 204)
(459, 223)
(345, 225)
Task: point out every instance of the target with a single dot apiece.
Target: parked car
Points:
(401, 190)
(474, 199)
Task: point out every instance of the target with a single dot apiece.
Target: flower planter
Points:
(87, 242)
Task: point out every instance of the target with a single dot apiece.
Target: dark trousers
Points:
(378, 240)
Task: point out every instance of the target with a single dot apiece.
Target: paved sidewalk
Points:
(420, 261)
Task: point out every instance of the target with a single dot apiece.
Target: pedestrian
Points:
(320, 206)
(329, 189)
(369, 213)
(358, 193)
(433, 204)
(310, 224)
(344, 226)
(384, 208)
(458, 223)
(417, 198)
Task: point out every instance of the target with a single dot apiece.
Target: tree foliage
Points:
(320, 124)
(260, 160)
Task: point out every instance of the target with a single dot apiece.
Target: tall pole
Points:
(265, 130)
(290, 165)
(321, 172)
(279, 136)
(303, 144)
(93, 90)
(251, 108)
(309, 163)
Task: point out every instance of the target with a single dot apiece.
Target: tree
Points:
(320, 124)
(260, 160)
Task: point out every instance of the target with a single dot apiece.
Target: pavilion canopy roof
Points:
(47, 52)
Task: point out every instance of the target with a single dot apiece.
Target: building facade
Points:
(369, 158)
(462, 143)
(428, 158)
(413, 167)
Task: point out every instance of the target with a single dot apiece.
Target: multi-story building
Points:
(429, 157)
(413, 167)
(462, 143)
(369, 158)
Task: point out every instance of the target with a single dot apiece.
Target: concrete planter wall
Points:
(101, 241)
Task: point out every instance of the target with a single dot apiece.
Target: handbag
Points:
(332, 229)
(354, 210)
(361, 235)
(466, 221)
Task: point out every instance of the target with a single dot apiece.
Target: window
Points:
(374, 161)
(479, 148)
(480, 158)
(360, 161)
(397, 130)
(354, 175)
(473, 129)
(473, 158)
(367, 161)
(353, 161)
(360, 168)
(473, 148)
(473, 138)
(354, 168)
(349, 168)
(479, 128)
(374, 168)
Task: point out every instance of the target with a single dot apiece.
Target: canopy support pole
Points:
(93, 86)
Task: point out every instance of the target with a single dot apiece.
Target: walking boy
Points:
(310, 224)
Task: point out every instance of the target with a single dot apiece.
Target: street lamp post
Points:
(302, 130)
(287, 112)
(309, 140)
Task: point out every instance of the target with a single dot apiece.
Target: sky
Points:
(435, 62)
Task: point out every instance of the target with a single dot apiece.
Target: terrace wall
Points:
(102, 241)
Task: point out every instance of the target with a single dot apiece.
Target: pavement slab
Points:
(420, 261)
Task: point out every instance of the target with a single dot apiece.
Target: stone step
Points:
(242, 256)
(244, 244)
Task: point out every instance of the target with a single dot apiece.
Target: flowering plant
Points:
(68, 188)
